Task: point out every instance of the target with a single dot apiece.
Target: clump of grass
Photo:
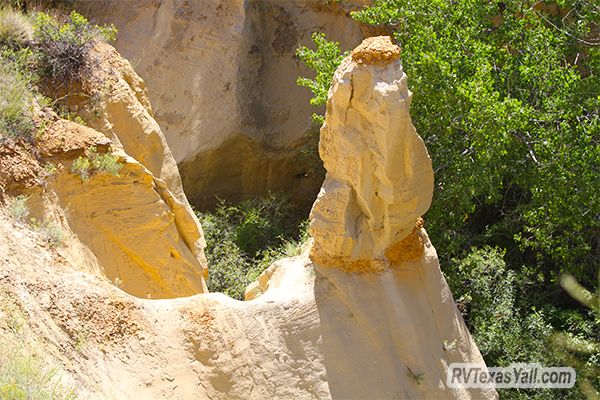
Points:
(24, 376)
(51, 233)
(18, 209)
(17, 101)
(16, 29)
(96, 163)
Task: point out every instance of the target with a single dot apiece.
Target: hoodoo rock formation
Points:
(379, 178)
(383, 281)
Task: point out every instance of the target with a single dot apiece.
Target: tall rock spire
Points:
(379, 176)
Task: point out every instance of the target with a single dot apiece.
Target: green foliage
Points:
(578, 342)
(508, 328)
(507, 98)
(16, 30)
(485, 292)
(244, 239)
(50, 233)
(17, 100)
(323, 60)
(96, 163)
(24, 375)
(17, 208)
(81, 166)
(64, 47)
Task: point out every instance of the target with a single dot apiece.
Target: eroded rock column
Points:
(379, 176)
(389, 325)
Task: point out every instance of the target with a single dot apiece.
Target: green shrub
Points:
(16, 30)
(17, 208)
(509, 328)
(17, 101)
(95, 163)
(82, 166)
(578, 342)
(261, 221)
(64, 47)
(24, 376)
(323, 60)
(104, 163)
(485, 292)
(50, 233)
(244, 239)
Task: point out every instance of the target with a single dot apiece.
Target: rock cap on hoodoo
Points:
(377, 49)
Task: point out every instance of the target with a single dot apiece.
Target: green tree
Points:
(323, 60)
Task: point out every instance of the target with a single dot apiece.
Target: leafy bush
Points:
(24, 376)
(508, 328)
(244, 239)
(64, 47)
(485, 292)
(50, 233)
(324, 61)
(16, 29)
(95, 163)
(578, 342)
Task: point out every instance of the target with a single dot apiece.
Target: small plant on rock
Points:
(18, 209)
(95, 163)
(50, 232)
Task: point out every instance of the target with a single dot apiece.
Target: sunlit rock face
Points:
(131, 224)
(379, 176)
(222, 81)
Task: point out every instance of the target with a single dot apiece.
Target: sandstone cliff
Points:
(132, 225)
(222, 78)
(364, 312)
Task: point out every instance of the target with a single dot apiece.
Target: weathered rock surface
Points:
(135, 228)
(316, 332)
(322, 328)
(222, 79)
(369, 241)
